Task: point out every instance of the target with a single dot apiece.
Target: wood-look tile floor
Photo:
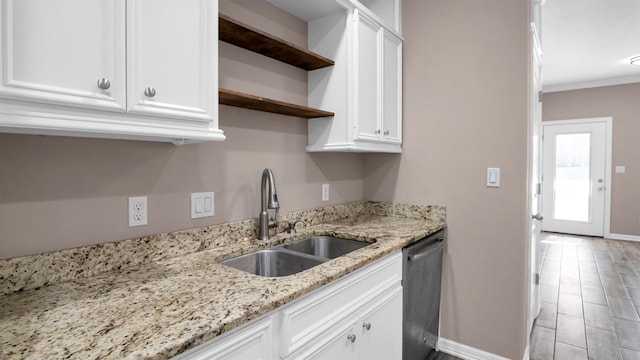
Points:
(590, 291)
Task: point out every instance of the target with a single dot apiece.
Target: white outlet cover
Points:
(137, 211)
(202, 205)
(325, 192)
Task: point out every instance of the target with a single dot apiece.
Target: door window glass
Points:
(572, 177)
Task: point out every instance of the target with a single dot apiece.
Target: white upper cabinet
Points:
(66, 52)
(169, 43)
(126, 69)
(364, 87)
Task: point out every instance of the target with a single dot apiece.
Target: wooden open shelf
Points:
(238, 99)
(249, 38)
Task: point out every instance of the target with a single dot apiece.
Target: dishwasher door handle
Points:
(434, 246)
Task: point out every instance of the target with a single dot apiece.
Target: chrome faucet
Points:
(269, 201)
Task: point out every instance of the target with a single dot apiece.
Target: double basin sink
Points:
(289, 259)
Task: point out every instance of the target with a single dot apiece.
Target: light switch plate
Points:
(202, 205)
(493, 177)
(621, 169)
(325, 192)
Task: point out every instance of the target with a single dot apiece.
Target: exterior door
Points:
(535, 156)
(574, 182)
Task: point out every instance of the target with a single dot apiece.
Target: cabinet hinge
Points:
(537, 279)
(539, 188)
(540, 96)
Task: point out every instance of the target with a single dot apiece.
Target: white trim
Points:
(622, 237)
(591, 84)
(526, 355)
(608, 159)
(465, 352)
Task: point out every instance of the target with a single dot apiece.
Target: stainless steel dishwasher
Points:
(421, 278)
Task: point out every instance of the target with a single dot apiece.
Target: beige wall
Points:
(465, 109)
(58, 192)
(622, 103)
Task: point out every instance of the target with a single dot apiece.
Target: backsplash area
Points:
(30, 272)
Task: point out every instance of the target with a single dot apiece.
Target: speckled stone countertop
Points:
(160, 308)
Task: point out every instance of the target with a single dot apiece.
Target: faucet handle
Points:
(292, 226)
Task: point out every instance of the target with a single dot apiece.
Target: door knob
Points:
(387, 132)
(104, 84)
(367, 326)
(149, 91)
(538, 217)
(352, 337)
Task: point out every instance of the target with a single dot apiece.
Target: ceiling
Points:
(588, 43)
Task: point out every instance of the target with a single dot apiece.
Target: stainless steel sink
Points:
(325, 247)
(293, 258)
(273, 262)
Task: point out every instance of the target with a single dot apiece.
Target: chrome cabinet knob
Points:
(104, 84)
(538, 217)
(366, 326)
(352, 337)
(377, 132)
(149, 91)
(386, 132)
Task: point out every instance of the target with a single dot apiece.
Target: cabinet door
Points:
(57, 51)
(381, 325)
(367, 78)
(392, 88)
(338, 343)
(172, 58)
(250, 343)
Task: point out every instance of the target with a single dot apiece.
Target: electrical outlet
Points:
(325, 192)
(137, 211)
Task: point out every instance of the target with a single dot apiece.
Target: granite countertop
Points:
(162, 308)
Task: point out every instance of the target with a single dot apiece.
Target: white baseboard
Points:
(622, 237)
(466, 352)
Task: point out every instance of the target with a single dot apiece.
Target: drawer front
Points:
(251, 342)
(305, 319)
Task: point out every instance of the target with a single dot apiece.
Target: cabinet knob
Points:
(352, 337)
(366, 326)
(377, 132)
(104, 84)
(386, 132)
(149, 91)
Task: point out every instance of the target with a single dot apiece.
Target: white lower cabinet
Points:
(251, 342)
(375, 333)
(356, 317)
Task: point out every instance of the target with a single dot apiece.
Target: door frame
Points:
(608, 121)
